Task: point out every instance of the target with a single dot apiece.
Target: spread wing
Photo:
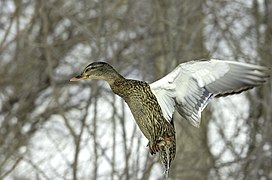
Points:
(190, 86)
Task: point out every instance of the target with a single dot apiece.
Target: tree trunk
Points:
(185, 20)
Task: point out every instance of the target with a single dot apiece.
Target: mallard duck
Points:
(188, 89)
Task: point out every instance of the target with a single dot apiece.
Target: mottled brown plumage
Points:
(148, 115)
(144, 107)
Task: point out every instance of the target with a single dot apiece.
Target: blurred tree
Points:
(180, 26)
(259, 159)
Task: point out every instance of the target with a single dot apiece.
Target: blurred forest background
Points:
(51, 128)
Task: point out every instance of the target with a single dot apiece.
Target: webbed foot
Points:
(153, 147)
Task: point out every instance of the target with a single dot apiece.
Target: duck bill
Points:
(79, 78)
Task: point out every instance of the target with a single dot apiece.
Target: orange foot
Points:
(153, 148)
(168, 138)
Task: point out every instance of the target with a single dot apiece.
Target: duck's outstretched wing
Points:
(191, 85)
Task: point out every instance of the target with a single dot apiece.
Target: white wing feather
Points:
(190, 86)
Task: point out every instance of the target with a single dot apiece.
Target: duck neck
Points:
(113, 76)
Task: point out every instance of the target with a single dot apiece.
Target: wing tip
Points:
(194, 120)
(195, 123)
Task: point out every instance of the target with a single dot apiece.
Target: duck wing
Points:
(191, 85)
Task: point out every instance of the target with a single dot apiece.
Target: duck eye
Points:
(90, 68)
(87, 70)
